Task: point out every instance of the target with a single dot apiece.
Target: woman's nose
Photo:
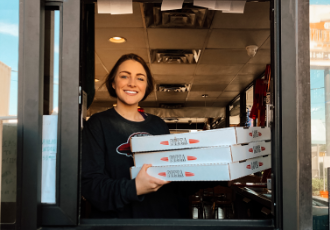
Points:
(131, 82)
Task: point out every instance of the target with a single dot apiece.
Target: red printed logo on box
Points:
(255, 134)
(176, 173)
(179, 141)
(254, 165)
(257, 149)
(178, 158)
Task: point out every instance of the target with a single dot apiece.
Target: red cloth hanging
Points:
(259, 105)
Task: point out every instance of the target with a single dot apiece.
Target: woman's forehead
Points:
(131, 66)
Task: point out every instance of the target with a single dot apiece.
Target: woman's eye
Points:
(141, 79)
(123, 76)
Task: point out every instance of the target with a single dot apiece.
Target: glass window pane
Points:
(320, 110)
(50, 117)
(9, 34)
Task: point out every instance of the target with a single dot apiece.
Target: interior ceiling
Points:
(223, 70)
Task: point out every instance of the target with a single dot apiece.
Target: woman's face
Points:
(130, 82)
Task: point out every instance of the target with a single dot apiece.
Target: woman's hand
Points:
(147, 184)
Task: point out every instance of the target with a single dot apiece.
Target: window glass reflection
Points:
(9, 35)
(320, 109)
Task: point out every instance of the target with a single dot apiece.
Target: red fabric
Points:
(259, 105)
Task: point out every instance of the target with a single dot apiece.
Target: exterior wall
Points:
(5, 72)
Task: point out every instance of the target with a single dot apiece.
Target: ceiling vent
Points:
(175, 56)
(189, 16)
(174, 88)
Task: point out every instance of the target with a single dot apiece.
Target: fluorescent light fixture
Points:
(117, 40)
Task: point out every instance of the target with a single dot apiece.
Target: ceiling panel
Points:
(100, 72)
(109, 57)
(266, 45)
(173, 69)
(103, 96)
(218, 79)
(198, 104)
(176, 38)
(235, 87)
(262, 57)
(228, 38)
(229, 94)
(148, 104)
(171, 97)
(255, 69)
(198, 94)
(173, 79)
(204, 88)
(224, 99)
(243, 79)
(224, 56)
(208, 99)
(206, 69)
(135, 38)
(256, 15)
(127, 20)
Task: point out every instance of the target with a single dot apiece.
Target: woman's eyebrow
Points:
(124, 72)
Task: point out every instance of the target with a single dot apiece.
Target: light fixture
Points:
(117, 39)
(252, 50)
(96, 80)
(205, 95)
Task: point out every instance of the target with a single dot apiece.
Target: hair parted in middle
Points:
(111, 77)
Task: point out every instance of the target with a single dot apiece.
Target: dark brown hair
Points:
(111, 77)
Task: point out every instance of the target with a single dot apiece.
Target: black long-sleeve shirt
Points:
(106, 182)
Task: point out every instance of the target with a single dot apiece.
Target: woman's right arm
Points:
(98, 188)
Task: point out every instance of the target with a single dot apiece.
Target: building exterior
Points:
(5, 73)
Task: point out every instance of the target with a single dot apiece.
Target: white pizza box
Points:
(246, 135)
(209, 138)
(207, 172)
(219, 154)
(241, 152)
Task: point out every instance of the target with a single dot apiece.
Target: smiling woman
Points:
(106, 182)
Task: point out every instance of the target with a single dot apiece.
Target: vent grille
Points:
(175, 56)
(175, 88)
(189, 16)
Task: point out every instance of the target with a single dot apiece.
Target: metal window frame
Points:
(292, 132)
(31, 214)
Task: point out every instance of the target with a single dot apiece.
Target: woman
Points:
(106, 182)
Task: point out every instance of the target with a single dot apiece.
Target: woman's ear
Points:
(113, 85)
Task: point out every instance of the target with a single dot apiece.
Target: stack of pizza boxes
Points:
(214, 155)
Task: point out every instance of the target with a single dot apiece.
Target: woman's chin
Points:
(130, 103)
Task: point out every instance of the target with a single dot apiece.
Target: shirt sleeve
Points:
(98, 188)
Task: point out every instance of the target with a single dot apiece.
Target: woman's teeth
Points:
(130, 91)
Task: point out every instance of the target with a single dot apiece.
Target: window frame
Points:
(293, 203)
